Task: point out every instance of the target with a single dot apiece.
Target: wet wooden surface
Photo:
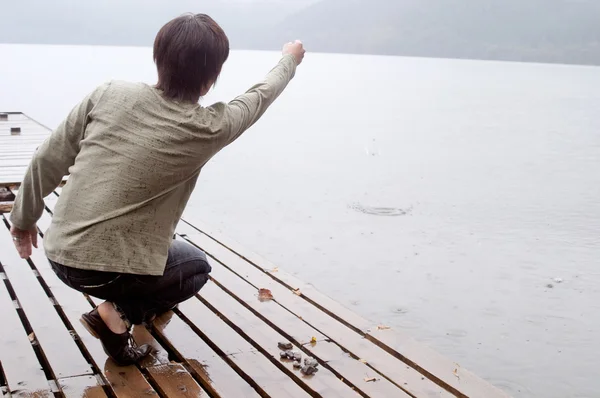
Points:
(17, 150)
(221, 343)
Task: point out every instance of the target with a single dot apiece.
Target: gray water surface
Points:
(458, 200)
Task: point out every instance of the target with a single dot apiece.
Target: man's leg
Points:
(132, 299)
(185, 274)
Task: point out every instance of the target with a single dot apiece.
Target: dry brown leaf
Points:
(265, 295)
(383, 327)
(297, 292)
(370, 379)
(362, 360)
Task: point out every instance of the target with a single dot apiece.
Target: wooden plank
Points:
(61, 351)
(81, 387)
(256, 367)
(23, 372)
(265, 339)
(125, 381)
(404, 376)
(216, 376)
(397, 343)
(436, 366)
(330, 355)
(174, 381)
(170, 378)
(333, 308)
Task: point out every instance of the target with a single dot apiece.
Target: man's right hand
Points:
(296, 49)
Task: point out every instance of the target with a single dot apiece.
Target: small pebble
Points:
(297, 365)
(311, 362)
(309, 370)
(558, 280)
(550, 285)
(297, 357)
(285, 346)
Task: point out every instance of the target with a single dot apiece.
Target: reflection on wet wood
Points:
(50, 332)
(21, 367)
(141, 336)
(243, 356)
(348, 369)
(173, 380)
(265, 339)
(81, 387)
(215, 375)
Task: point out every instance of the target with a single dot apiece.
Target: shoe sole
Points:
(88, 327)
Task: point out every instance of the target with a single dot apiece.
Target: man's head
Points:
(189, 52)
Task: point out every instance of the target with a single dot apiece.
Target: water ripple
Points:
(380, 211)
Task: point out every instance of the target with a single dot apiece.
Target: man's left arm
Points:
(50, 163)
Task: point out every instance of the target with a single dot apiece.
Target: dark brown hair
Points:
(189, 52)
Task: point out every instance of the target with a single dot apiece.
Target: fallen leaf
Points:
(274, 269)
(265, 295)
(362, 360)
(31, 336)
(313, 340)
(297, 292)
(383, 327)
(370, 379)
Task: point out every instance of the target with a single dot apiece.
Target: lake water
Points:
(488, 173)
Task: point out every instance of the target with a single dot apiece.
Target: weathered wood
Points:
(241, 355)
(23, 372)
(379, 350)
(50, 332)
(173, 380)
(419, 356)
(20, 136)
(6, 195)
(346, 367)
(81, 387)
(6, 207)
(333, 308)
(265, 340)
(215, 375)
(404, 376)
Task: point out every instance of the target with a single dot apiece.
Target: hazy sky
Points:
(565, 31)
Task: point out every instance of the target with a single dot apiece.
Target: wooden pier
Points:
(221, 343)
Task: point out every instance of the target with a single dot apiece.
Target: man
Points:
(134, 153)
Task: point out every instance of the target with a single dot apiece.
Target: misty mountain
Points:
(564, 31)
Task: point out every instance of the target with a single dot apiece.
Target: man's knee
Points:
(181, 253)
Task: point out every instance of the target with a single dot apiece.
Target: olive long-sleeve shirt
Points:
(133, 158)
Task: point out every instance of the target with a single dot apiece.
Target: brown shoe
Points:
(116, 346)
